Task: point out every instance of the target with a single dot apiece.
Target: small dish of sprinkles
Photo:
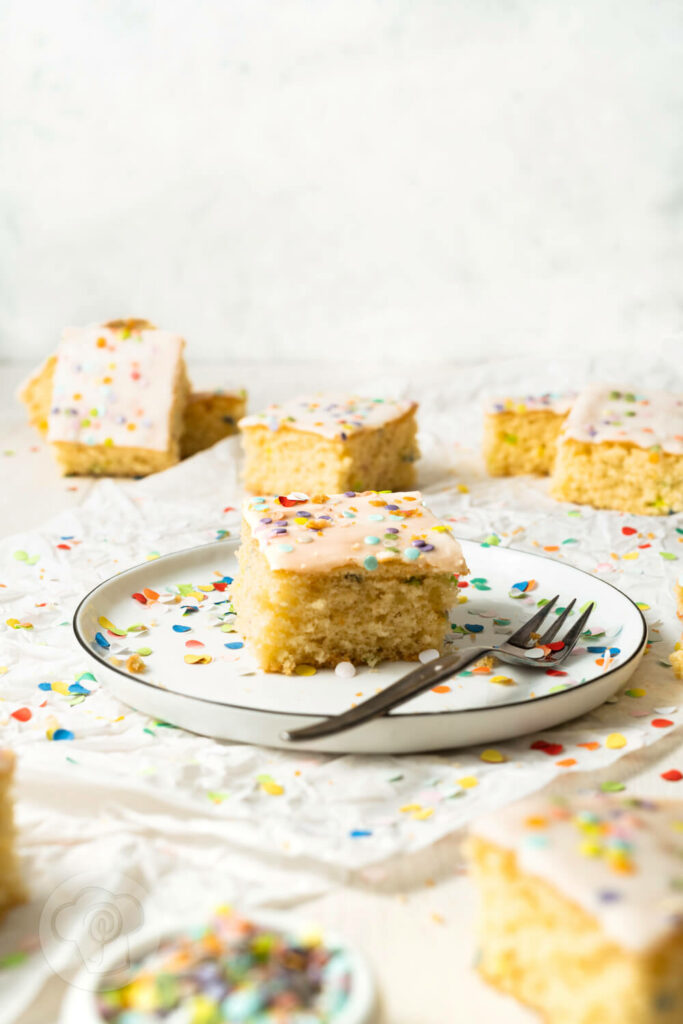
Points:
(236, 970)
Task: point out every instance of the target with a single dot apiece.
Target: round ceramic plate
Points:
(174, 613)
(80, 1005)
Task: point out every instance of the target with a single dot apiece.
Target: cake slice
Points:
(677, 656)
(11, 889)
(358, 577)
(581, 907)
(520, 434)
(622, 450)
(118, 398)
(331, 444)
(210, 416)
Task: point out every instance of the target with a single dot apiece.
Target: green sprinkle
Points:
(370, 562)
(612, 787)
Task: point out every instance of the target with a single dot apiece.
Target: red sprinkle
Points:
(141, 598)
(673, 775)
(288, 502)
(551, 749)
(22, 714)
(193, 643)
(64, 547)
(628, 531)
(661, 723)
(555, 672)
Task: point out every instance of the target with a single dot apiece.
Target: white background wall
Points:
(386, 179)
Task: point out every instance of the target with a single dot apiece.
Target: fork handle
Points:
(404, 689)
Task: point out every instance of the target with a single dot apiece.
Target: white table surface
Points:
(413, 916)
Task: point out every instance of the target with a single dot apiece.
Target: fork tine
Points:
(559, 621)
(572, 637)
(523, 634)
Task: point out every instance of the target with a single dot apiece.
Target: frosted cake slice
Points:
(330, 444)
(210, 416)
(622, 450)
(118, 399)
(677, 656)
(11, 889)
(359, 577)
(520, 434)
(581, 907)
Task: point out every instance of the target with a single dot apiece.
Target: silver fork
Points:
(515, 651)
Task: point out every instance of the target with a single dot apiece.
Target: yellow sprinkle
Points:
(615, 741)
(536, 821)
(3, 669)
(502, 680)
(60, 687)
(272, 788)
(462, 599)
(463, 488)
(198, 659)
(409, 808)
(492, 756)
(206, 587)
(590, 848)
(305, 670)
(151, 557)
(638, 692)
(422, 815)
(106, 623)
(442, 528)
(468, 782)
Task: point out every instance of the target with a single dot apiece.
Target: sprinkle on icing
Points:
(336, 417)
(652, 420)
(621, 860)
(322, 533)
(114, 386)
(558, 402)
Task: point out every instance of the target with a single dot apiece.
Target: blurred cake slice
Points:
(581, 907)
(11, 889)
(520, 434)
(677, 656)
(622, 450)
(210, 416)
(328, 444)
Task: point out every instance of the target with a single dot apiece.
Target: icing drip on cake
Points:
(652, 419)
(621, 860)
(336, 417)
(366, 529)
(114, 387)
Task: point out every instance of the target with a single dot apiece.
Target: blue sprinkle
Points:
(371, 539)
(412, 554)
(235, 645)
(62, 734)
(99, 639)
(596, 650)
(472, 628)
(358, 833)
(370, 563)
(180, 629)
(44, 686)
(77, 688)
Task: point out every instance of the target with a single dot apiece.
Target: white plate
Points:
(80, 1005)
(229, 698)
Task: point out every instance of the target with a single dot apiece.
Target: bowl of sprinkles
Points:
(230, 969)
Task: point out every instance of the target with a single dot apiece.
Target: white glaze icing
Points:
(558, 402)
(621, 860)
(361, 529)
(652, 419)
(333, 416)
(114, 387)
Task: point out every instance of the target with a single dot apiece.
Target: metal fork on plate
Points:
(525, 647)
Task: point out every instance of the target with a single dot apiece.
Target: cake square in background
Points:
(330, 444)
(520, 434)
(118, 400)
(677, 656)
(210, 416)
(581, 907)
(622, 450)
(11, 888)
(349, 577)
